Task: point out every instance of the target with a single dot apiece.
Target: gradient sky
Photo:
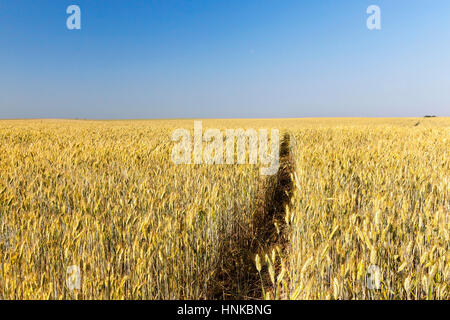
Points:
(227, 58)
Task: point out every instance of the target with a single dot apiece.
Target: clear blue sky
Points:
(227, 58)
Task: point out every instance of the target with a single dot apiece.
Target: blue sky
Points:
(211, 58)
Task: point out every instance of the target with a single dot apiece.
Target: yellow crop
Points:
(369, 195)
(106, 197)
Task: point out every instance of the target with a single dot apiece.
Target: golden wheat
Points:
(369, 196)
(105, 196)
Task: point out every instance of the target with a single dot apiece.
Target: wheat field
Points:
(106, 197)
